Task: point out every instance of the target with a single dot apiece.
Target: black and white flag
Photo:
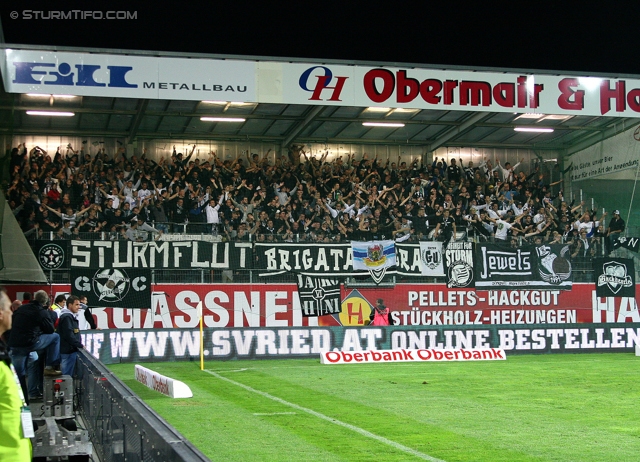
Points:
(615, 277)
(318, 296)
(629, 243)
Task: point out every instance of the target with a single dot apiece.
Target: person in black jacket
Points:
(88, 316)
(69, 331)
(33, 330)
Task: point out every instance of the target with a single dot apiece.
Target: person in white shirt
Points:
(212, 212)
(507, 170)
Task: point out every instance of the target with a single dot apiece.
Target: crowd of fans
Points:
(296, 198)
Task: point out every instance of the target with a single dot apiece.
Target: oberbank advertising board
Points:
(197, 79)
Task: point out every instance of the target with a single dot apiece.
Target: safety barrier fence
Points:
(121, 426)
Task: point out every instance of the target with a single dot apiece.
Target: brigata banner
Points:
(499, 266)
(227, 306)
(330, 260)
(310, 342)
(160, 255)
(336, 259)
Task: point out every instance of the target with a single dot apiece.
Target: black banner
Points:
(614, 277)
(458, 264)
(52, 254)
(161, 254)
(334, 259)
(534, 267)
(113, 287)
(629, 243)
(318, 296)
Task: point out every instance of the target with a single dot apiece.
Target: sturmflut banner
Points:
(535, 267)
(161, 255)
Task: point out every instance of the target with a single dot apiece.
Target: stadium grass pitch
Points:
(582, 407)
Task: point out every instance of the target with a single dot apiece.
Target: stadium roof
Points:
(282, 123)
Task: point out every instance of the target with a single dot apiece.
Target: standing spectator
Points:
(454, 173)
(58, 304)
(33, 331)
(88, 316)
(616, 226)
(13, 444)
(69, 331)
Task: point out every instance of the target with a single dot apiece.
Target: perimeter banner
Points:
(285, 82)
(225, 344)
(229, 306)
(499, 266)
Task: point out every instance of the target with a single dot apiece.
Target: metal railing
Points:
(121, 426)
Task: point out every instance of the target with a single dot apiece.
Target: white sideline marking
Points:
(274, 413)
(358, 430)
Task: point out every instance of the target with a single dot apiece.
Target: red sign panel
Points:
(277, 305)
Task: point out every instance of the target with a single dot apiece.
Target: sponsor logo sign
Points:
(162, 384)
(238, 306)
(375, 257)
(129, 76)
(342, 344)
(404, 356)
